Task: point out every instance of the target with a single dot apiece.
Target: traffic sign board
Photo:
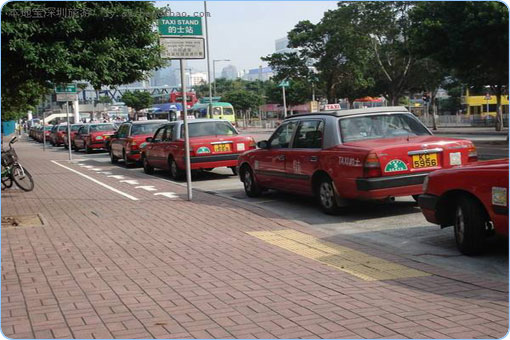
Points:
(284, 83)
(67, 97)
(180, 26)
(182, 48)
(67, 88)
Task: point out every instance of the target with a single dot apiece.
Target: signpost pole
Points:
(186, 133)
(284, 103)
(208, 60)
(68, 131)
(44, 131)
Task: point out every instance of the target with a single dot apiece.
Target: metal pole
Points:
(208, 60)
(44, 131)
(186, 133)
(68, 131)
(284, 103)
(214, 77)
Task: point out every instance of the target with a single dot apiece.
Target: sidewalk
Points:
(103, 265)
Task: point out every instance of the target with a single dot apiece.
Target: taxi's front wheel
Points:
(327, 196)
(251, 187)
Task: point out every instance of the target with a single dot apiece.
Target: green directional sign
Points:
(284, 83)
(66, 88)
(180, 26)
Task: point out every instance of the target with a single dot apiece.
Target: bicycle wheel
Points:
(6, 182)
(22, 178)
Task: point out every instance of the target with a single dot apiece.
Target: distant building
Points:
(198, 78)
(282, 46)
(229, 72)
(261, 73)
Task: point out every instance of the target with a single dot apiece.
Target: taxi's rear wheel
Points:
(113, 158)
(149, 170)
(251, 186)
(469, 225)
(127, 162)
(327, 196)
(175, 172)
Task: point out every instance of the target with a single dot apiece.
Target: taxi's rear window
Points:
(101, 127)
(380, 127)
(210, 129)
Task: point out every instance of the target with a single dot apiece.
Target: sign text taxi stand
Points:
(181, 38)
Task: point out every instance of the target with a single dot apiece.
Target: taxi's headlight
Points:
(425, 184)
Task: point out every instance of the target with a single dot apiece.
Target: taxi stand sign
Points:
(181, 38)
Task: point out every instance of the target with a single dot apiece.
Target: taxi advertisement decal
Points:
(395, 165)
(203, 149)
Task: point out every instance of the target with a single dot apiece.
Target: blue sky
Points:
(243, 31)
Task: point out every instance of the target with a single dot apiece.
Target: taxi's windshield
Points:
(75, 127)
(210, 129)
(101, 127)
(144, 129)
(380, 126)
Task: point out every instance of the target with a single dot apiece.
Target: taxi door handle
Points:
(313, 158)
(280, 157)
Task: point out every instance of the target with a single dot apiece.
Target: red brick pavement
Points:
(105, 266)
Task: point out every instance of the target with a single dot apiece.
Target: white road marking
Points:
(98, 182)
(167, 194)
(86, 166)
(130, 181)
(96, 169)
(116, 176)
(147, 187)
(105, 172)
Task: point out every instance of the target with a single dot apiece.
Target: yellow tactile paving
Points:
(359, 264)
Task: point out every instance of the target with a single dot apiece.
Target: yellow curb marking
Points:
(359, 264)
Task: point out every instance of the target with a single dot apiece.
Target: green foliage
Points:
(298, 92)
(242, 100)
(137, 100)
(104, 42)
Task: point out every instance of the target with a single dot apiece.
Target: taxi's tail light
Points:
(372, 166)
(472, 154)
(252, 144)
(133, 144)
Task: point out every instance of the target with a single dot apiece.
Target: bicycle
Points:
(13, 171)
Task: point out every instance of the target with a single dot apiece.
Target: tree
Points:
(468, 37)
(137, 100)
(99, 42)
(243, 100)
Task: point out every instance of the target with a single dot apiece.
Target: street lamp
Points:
(214, 72)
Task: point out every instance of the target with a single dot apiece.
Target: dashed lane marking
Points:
(359, 264)
(146, 187)
(116, 176)
(98, 182)
(167, 194)
(130, 181)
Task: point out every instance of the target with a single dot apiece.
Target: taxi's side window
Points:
(309, 135)
(123, 131)
(282, 137)
(158, 135)
(83, 130)
(168, 135)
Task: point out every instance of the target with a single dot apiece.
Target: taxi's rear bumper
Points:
(377, 183)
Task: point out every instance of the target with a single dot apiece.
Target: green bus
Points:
(220, 110)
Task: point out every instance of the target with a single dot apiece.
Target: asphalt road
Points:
(398, 226)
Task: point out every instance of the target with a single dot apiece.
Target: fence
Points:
(463, 120)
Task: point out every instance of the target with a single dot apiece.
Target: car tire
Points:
(87, 149)
(234, 170)
(251, 187)
(149, 170)
(326, 196)
(175, 172)
(113, 158)
(469, 225)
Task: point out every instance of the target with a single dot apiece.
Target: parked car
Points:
(92, 136)
(125, 142)
(472, 198)
(43, 130)
(362, 154)
(74, 131)
(57, 134)
(213, 143)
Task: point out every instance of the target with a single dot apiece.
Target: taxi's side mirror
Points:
(148, 139)
(263, 144)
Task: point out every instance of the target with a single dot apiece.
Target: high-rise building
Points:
(282, 46)
(261, 73)
(229, 72)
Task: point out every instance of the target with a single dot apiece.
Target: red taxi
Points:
(125, 143)
(57, 134)
(213, 143)
(473, 198)
(367, 154)
(74, 131)
(92, 136)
